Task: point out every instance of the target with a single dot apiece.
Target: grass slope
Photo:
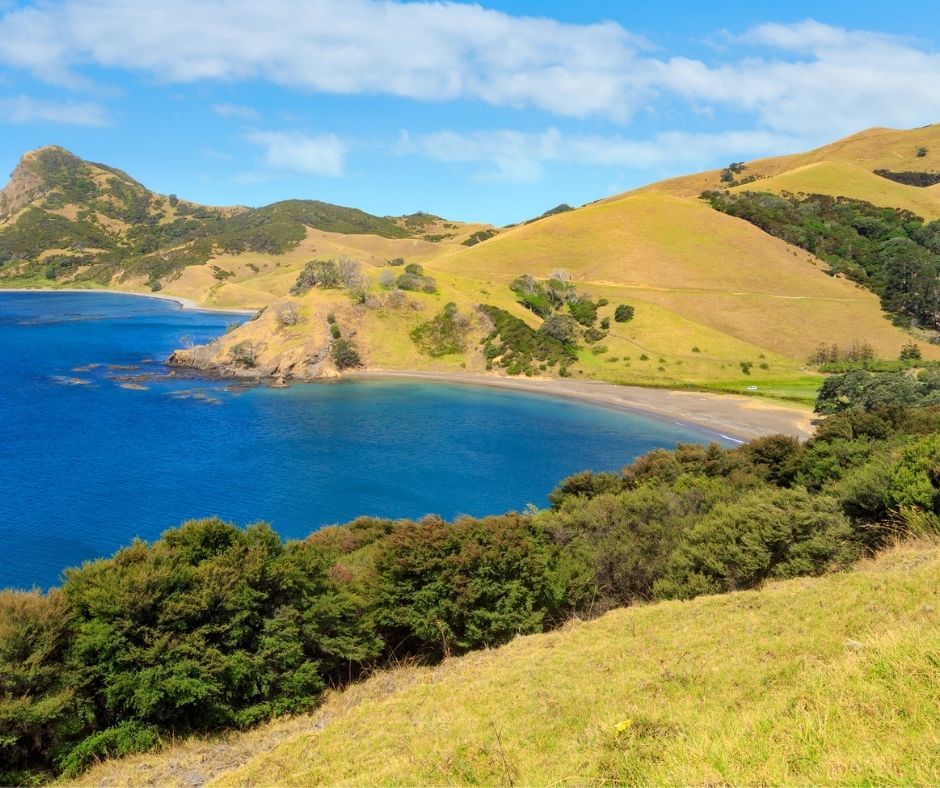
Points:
(872, 149)
(830, 680)
(841, 179)
(715, 271)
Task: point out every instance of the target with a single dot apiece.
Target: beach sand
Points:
(729, 415)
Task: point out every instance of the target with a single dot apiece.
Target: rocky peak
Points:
(24, 186)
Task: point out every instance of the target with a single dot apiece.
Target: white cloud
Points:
(420, 50)
(805, 78)
(23, 109)
(323, 154)
(238, 111)
(817, 80)
(517, 157)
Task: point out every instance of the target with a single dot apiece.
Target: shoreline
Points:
(731, 416)
(184, 303)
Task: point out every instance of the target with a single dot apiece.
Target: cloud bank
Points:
(791, 78)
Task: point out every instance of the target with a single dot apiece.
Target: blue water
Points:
(100, 443)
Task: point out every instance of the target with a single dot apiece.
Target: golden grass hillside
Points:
(824, 681)
(719, 304)
(841, 179)
(680, 255)
(869, 150)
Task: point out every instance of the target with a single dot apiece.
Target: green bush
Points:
(448, 588)
(123, 739)
(584, 310)
(623, 313)
(444, 334)
(768, 533)
(515, 346)
(345, 354)
(915, 481)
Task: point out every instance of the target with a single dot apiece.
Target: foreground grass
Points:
(833, 680)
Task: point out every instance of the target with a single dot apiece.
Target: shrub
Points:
(317, 273)
(768, 533)
(245, 353)
(122, 739)
(287, 314)
(514, 345)
(333, 273)
(560, 328)
(449, 588)
(344, 354)
(446, 333)
(915, 480)
(910, 352)
(416, 282)
(583, 310)
(623, 313)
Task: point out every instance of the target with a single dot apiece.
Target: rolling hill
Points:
(718, 303)
(824, 681)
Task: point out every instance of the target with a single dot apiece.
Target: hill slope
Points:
(718, 303)
(915, 150)
(829, 680)
(66, 219)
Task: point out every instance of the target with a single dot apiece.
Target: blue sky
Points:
(490, 112)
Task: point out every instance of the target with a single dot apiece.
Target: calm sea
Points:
(99, 443)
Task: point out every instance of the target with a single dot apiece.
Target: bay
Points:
(100, 443)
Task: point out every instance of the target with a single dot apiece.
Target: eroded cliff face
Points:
(24, 187)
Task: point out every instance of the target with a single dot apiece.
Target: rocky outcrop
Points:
(297, 365)
(24, 187)
(263, 348)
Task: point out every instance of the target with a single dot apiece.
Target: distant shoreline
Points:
(185, 303)
(732, 416)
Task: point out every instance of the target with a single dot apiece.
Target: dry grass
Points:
(841, 179)
(833, 680)
(872, 149)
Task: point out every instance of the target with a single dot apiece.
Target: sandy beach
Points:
(185, 303)
(729, 415)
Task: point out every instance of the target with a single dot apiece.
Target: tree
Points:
(623, 313)
(560, 327)
(344, 354)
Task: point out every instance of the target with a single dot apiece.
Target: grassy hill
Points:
(873, 149)
(829, 680)
(63, 219)
(718, 303)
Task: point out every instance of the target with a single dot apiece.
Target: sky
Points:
(490, 112)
